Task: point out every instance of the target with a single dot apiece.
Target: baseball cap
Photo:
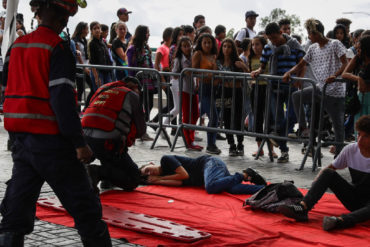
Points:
(122, 11)
(250, 13)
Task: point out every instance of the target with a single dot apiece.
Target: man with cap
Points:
(247, 32)
(40, 115)
(123, 15)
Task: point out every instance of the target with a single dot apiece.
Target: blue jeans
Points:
(217, 179)
(104, 78)
(207, 107)
(282, 116)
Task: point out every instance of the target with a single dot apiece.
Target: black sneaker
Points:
(232, 150)
(255, 177)
(240, 150)
(331, 222)
(284, 158)
(92, 171)
(213, 150)
(295, 211)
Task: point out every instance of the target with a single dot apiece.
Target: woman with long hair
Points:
(140, 55)
(228, 60)
(255, 53)
(99, 55)
(204, 57)
(79, 37)
(119, 48)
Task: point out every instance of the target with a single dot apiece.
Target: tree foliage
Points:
(230, 33)
(277, 14)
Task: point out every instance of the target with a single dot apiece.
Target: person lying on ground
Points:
(207, 171)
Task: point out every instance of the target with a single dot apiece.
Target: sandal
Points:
(255, 154)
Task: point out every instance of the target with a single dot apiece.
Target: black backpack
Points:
(274, 195)
(246, 33)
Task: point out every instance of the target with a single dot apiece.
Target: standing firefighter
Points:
(40, 115)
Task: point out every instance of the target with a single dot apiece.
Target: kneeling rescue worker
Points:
(111, 123)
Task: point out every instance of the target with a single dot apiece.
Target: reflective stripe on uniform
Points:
(60, 81)
(29, 115)
(33, 45)
(99, 115)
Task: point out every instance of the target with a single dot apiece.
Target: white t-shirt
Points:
(242, 34)
(351, 157)
(324, 62)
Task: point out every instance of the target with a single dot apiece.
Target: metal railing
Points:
(232, 85)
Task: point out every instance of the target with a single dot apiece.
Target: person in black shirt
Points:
(99, 55)
(119, 48)
(207, 171)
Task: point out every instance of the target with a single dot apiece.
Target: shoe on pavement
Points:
(146, 137)
(195, 147)
(294, 211)
(284, 158)
(261, 153)
(213, 150)
(240, 149)
(255, 177)
(232, 150)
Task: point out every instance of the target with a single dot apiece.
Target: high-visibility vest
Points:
(27, 107)
(109, 112)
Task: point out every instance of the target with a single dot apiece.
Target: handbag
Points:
(352, 102)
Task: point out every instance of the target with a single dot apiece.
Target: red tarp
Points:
(222, 215)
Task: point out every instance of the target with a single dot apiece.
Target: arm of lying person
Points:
(159, 181)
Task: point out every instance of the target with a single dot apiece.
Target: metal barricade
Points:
(238, 84)
(235, 82)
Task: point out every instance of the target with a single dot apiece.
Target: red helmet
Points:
(68, 5)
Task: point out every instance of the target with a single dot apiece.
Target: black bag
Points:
(274, 195)
(352, 102)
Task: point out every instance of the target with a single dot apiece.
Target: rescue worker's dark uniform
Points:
(111, 123)
(40, 115)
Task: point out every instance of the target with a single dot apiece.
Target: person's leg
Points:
(227, 122)
(186, 115)
(359, 215)
(306, 95)
(342, 189)
(281, 118)
(194, 115)
(206, 108)
(176, 105)
(19, 204)
(290, 112)
(328, 178)
(121, 171)
(335, 108)
(69, 180)
(217, 178)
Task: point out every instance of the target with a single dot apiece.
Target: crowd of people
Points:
(51, 143)
(274, 51)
